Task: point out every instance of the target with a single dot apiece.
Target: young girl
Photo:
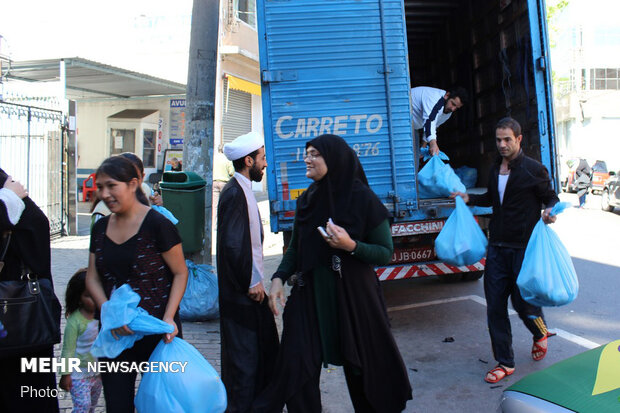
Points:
(134, 245)
(80, 333)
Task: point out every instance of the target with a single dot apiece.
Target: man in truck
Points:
(431, 107)
(518, 186)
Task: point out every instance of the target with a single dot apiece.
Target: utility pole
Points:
(200, 107)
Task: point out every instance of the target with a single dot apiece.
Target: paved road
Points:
(448, 376)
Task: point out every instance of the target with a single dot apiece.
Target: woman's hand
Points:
(65, 382)
(169, 336)
(16, 187)
(121, 331)
(338, 237)
(276, 293)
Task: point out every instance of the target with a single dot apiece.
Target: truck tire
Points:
(472, 276)
(450, 278)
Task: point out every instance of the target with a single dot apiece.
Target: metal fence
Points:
(31, 151)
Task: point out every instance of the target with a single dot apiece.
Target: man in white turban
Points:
(249, 338)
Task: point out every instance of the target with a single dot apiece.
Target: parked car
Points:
(611, 192)
(600, 174)
(584, 383)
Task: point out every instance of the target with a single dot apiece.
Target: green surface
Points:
(570, 383)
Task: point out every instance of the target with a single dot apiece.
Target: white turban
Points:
(243, 145)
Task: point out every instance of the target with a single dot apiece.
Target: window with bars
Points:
(604, 79)
(236, 113)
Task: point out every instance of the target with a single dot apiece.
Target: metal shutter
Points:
(236, 113)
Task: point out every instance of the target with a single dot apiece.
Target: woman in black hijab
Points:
(335, 313)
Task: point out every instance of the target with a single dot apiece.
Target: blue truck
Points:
(346, 67)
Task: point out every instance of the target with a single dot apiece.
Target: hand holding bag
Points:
(438, 180)
(461, 241)
(547, 277)
(29, 313)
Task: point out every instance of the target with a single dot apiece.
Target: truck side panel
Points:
(336, 67)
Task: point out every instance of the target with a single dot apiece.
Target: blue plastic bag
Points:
(200, 301)
(461, 241)
(438, 180)
(547, 277)
(467, 175)
(122, 309)
(165, 212)
(195, 390)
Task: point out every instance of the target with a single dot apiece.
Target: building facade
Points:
(586, 63)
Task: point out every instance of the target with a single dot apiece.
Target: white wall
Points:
(93, 140)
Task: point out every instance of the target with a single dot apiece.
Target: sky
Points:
(150, 37)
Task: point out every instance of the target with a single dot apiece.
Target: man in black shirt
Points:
(518, 187)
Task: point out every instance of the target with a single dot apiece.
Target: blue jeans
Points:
(582, 199)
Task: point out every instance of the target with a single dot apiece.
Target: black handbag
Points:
(29, 314)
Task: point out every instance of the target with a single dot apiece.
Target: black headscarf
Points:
(342, 195)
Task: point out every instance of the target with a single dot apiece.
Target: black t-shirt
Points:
(138, 260)
(167, 234)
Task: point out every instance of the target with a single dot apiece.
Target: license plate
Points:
(405, 255)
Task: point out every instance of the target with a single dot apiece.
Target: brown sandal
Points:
(498, 372)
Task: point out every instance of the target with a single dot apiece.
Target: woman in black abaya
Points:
(335, 313)
(28, 248)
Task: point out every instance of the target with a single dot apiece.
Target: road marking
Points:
(580, 341)
(425, 304)
(583, 342)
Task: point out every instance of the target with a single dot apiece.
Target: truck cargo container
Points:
(346, 67)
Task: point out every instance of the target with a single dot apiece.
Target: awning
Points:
(243, 85)
(86, 79)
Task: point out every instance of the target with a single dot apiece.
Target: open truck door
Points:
(541, 60)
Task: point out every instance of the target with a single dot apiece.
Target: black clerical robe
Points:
(249, 338)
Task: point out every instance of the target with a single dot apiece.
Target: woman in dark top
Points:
(29, 248)
(335, 313)
(138, 246)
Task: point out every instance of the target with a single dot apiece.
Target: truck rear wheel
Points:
(472, 276)
(450, 278)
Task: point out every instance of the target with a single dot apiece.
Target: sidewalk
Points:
(71, 253)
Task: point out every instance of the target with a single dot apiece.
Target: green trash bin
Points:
(183, 194)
